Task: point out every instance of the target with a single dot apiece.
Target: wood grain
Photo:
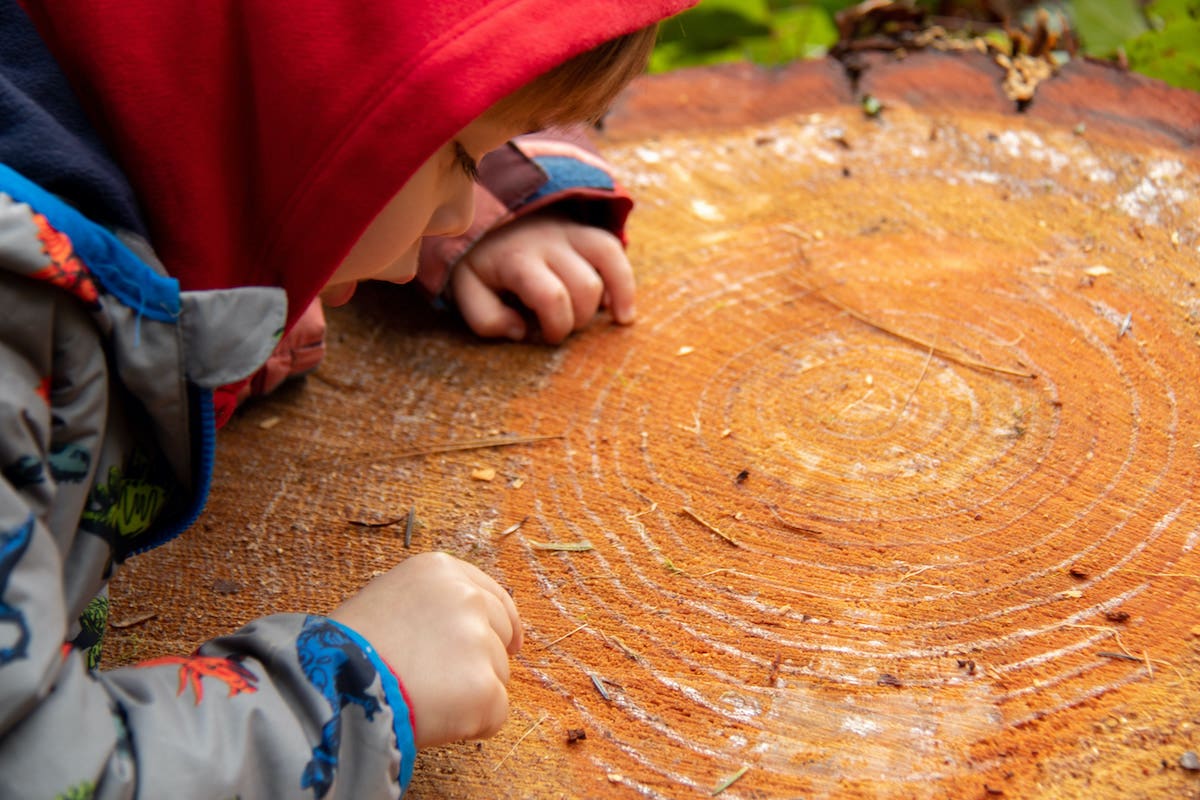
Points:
(935, 559)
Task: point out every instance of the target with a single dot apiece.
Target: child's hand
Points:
(447, 630)
(559, 269)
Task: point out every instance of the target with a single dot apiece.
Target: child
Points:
(269, 153)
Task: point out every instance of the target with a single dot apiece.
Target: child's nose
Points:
(454, 216)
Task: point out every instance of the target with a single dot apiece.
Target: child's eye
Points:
(466, 163)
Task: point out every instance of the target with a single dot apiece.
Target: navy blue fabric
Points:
(44, 134)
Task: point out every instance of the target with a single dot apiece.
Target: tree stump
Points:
(890, 492)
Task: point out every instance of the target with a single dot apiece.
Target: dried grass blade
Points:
(531, 729)
(568, 547)
(730, 781)
(565, 635)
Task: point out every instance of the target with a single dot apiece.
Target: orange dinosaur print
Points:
(193, 668)
(65, 269)
(43, 389)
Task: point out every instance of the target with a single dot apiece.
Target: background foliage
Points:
(1160, 39)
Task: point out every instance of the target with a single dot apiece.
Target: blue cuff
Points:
(564, 173)
(395, 697)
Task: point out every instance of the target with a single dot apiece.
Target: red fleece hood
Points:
(263, 137)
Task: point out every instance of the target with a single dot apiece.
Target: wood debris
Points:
(408, 525)
(516, 526)
(598, 682)
(1126, 325)
(132, 621)
(1022, 74)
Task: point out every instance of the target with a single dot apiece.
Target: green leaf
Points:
(768, 32)
(1171, 52)
(802, 32)
(1103, 25)
(715, 24)
(1171, 12)
(830, 7)
(676, 55)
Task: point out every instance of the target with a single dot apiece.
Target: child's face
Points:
(438, 200)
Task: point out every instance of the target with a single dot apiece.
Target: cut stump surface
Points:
(890, 492)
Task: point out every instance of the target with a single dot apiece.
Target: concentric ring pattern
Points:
(898, 458)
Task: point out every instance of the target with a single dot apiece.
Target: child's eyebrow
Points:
(465, 161)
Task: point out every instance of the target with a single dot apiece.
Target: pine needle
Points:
(531, 729)
(448, 447)
(693, 515)
(949, 355)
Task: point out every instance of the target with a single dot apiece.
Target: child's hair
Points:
(582, 88)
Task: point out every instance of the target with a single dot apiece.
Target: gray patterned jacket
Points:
(106, 449)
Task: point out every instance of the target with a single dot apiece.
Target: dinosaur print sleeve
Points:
(289, 706)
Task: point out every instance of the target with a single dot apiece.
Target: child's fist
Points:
(447, 629)
(562, 271)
